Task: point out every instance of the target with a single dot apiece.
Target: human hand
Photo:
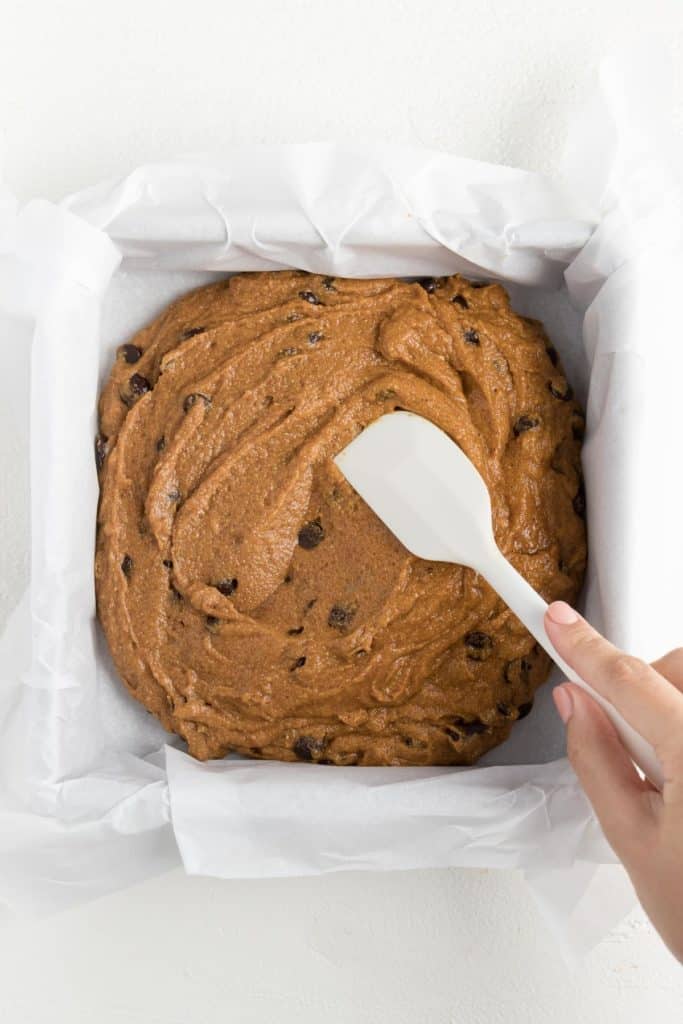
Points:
(643, 827)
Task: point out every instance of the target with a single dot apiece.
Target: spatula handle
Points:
(530, 608)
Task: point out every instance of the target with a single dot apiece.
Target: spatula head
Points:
(423, 487)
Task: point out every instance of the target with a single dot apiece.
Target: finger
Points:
(646, 700)
(671, 667)
(622, 801)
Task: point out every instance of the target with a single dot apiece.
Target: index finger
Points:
(648, 702)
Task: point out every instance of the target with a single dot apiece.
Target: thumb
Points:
(645, 699)
(620, 798)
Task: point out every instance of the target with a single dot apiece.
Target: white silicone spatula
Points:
(426, 490)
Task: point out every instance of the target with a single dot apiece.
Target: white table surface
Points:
(89, 90)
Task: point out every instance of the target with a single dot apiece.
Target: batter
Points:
(251, 600)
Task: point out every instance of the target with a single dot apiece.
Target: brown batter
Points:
(251, 600)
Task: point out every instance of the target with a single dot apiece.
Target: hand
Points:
(644, 827)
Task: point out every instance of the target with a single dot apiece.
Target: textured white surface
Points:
(87, 91)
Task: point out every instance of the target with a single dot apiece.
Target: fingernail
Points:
(562, 613)
(564, 702)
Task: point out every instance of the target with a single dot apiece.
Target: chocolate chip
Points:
(430, 284)
(227, 587)
(174, 495)
(307, 747)
(296, 631)
(563, 567)
(408, 741)
(328, 284)
(340, 617)
(480, 645)
(552, 354)
(324, 760)
(287, 579)
(314, 337)
(175, 594)
(563, 392)
(195, 397)
(161, 444)
(479, 284)
(100, 450)
(579, 501)
(299, 663)
(460, 300)
(471, 337)
(212, 621)
(311, 534)
(190, 332)
(477, 639)
(453, 735)
(314, 600)
(139, 385)
(310, 297)
(127, 566)
(518, 671)
(167, 563)
(131, 353)
(473, 728)
(525, 423)
(503, 709)
(285, 352)
(578, 430)
(524, 709)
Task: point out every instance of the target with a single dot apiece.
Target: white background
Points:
(89, 90)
